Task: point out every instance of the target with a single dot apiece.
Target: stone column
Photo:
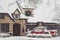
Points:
(11, 28)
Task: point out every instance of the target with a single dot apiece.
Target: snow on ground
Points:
(28, 38)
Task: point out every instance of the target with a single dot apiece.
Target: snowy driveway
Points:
(28, 38)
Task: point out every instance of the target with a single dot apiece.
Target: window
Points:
(4, 27)
(16, 15)
(46, 32)
(23, 29)
(2, 15)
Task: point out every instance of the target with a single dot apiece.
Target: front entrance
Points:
(16, 29)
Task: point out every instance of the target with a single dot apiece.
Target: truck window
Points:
(46, 32)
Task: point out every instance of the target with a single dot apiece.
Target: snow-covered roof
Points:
(2, 10)
(44, 12)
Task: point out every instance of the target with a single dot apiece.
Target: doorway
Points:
(16, 29)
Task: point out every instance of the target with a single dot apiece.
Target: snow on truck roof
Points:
(41, 27)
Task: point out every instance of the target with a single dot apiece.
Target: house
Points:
(18, 26)
(14, 26)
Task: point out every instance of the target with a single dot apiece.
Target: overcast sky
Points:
(44, 12)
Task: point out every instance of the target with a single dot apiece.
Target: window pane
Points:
(17, 16)
(46, 33)
(0, 27)
(4, 27)
(1, 15)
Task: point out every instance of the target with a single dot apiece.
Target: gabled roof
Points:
(7, 14)
(17, 10)
(2, 10)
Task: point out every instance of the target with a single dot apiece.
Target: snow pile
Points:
(28, 38)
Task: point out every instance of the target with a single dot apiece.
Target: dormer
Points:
(16, 14)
